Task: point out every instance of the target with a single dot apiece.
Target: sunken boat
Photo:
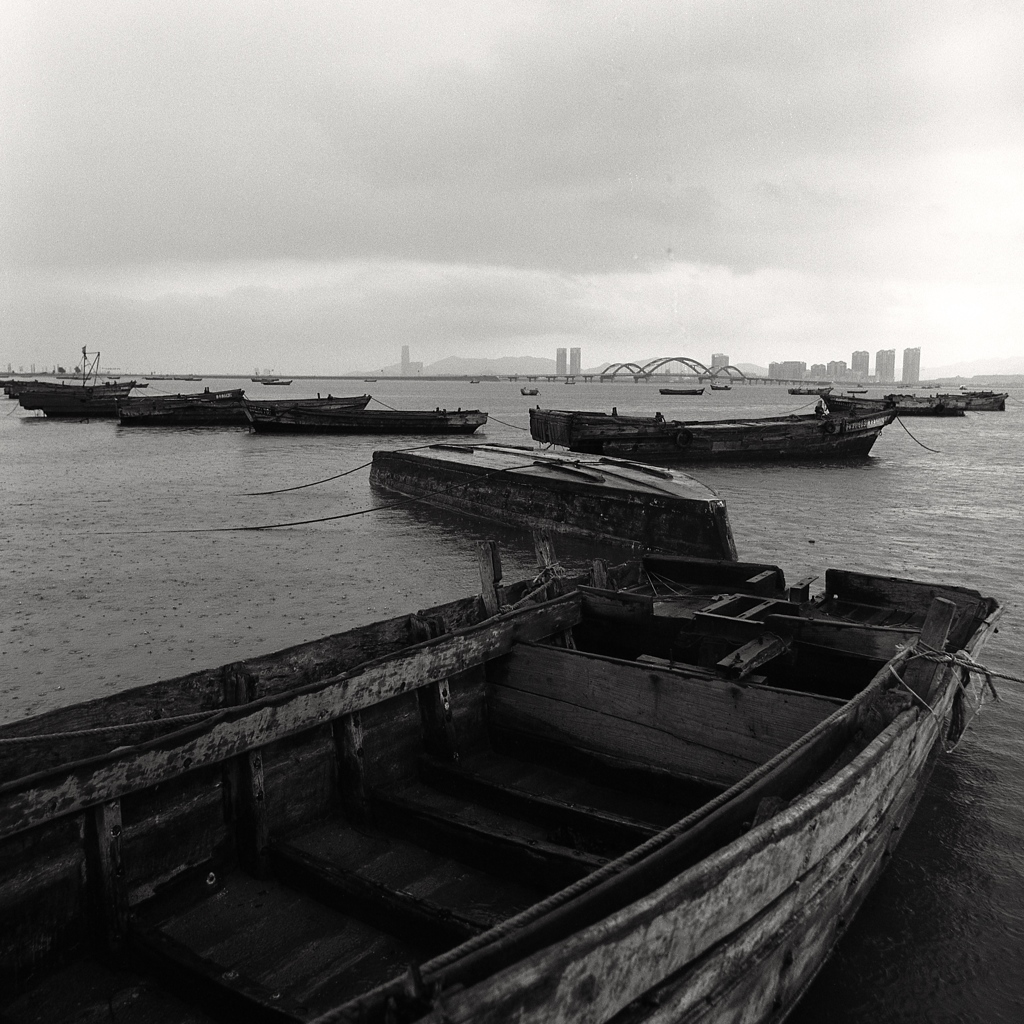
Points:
(610, 502)
(204, 409)
(656, 794)
(659, 440)
(329, 417)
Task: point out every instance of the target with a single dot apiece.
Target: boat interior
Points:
(466, 775)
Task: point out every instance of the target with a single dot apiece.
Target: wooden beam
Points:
(490, 575)
(922, 675)
(108, 891)
(752, 655)
(25, 803)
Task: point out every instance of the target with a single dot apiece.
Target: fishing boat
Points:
(209, 408)
(660, 440)
(609, 502)
(981, 401)
(810, 391)
(903, 405)
(659, 794)
(75, 400)
(721, 387)
(275, 383)
(680, 391)
(529, 391)
(345, 416)
(268, 379)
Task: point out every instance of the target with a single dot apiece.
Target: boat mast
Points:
(90, 369)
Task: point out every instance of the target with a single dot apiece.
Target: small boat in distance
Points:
(810, 391)
(529, 391)
(721, 387)
(276, 383)
(344, 416)
(370, 380)
(667, 442)
(268, 379)
(680, 391)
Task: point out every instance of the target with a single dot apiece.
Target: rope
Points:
(504, 423)
(197, 716)
(923, 445)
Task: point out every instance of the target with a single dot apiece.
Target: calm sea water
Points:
(118, 572)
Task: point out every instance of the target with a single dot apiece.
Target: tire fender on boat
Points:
(830, 426)
(683, 438)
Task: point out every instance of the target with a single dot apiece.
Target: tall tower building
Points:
(719, 359)
(911, 367)
(560, 362)
(405, 360)
(885, 365)
(860, 365)
(574, 361)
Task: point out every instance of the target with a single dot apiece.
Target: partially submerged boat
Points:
(205, 409)
(333, 416)
(659, 797)
(659, 440)
(611, 502)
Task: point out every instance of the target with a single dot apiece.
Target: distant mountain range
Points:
(1013, 366)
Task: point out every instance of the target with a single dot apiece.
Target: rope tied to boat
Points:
(975, 683)
(114, 727)
(538, 584)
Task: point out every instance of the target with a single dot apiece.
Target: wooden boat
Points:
(721, 387)
(328, 417)
(903, 405)
(276, 383)
(551, 802)
(810, 391)
(605, 501)
(529, 391)
(680, 391)
(210, 408)
(76, 400)
(981, 401)
(656, 439)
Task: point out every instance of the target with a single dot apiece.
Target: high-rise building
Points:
(719, 359)
(911, 367)
(405, 360)
(560, 362)
(885, 365)
(574, 361)
(818, 371)
(860, 365)
(836, 369)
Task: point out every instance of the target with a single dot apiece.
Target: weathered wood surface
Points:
(693, 727)
(29, 802)
(278, 672)
(878, 643)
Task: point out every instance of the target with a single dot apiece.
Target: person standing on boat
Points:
(821, 409)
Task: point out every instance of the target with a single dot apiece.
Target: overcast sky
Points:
(310, 185)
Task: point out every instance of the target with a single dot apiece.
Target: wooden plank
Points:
(28, 802)
(753, 654)
(108, 892)
(879, 643)
(489, 559)
(800, 591)
(697, 727)
(416, 920)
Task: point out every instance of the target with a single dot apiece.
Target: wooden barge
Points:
(606, 501)
(206, 409)
(656, 439)
(902, 405)
(76, 400)
(680, 391)
(982, 401)
(323, 416)
(660, 797)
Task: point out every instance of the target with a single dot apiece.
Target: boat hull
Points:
(70, 400)
(648, 439)
(565, 500)
(209, 409)
(266, 419)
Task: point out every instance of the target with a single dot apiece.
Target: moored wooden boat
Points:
(323, 416)
(656, 439)
(207, 408)
(618, 803)
(721, 387)
(982, 401)
(76, 400)
(904, 405)
(613, 503)
(810, 391)
(680, 391)
(529, 391)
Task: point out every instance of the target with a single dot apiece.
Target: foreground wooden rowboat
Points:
(658, 440)
(653, 803)
(205, 409)
(607, 501)
(327, 418)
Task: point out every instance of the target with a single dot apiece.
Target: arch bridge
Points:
(691, 367)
